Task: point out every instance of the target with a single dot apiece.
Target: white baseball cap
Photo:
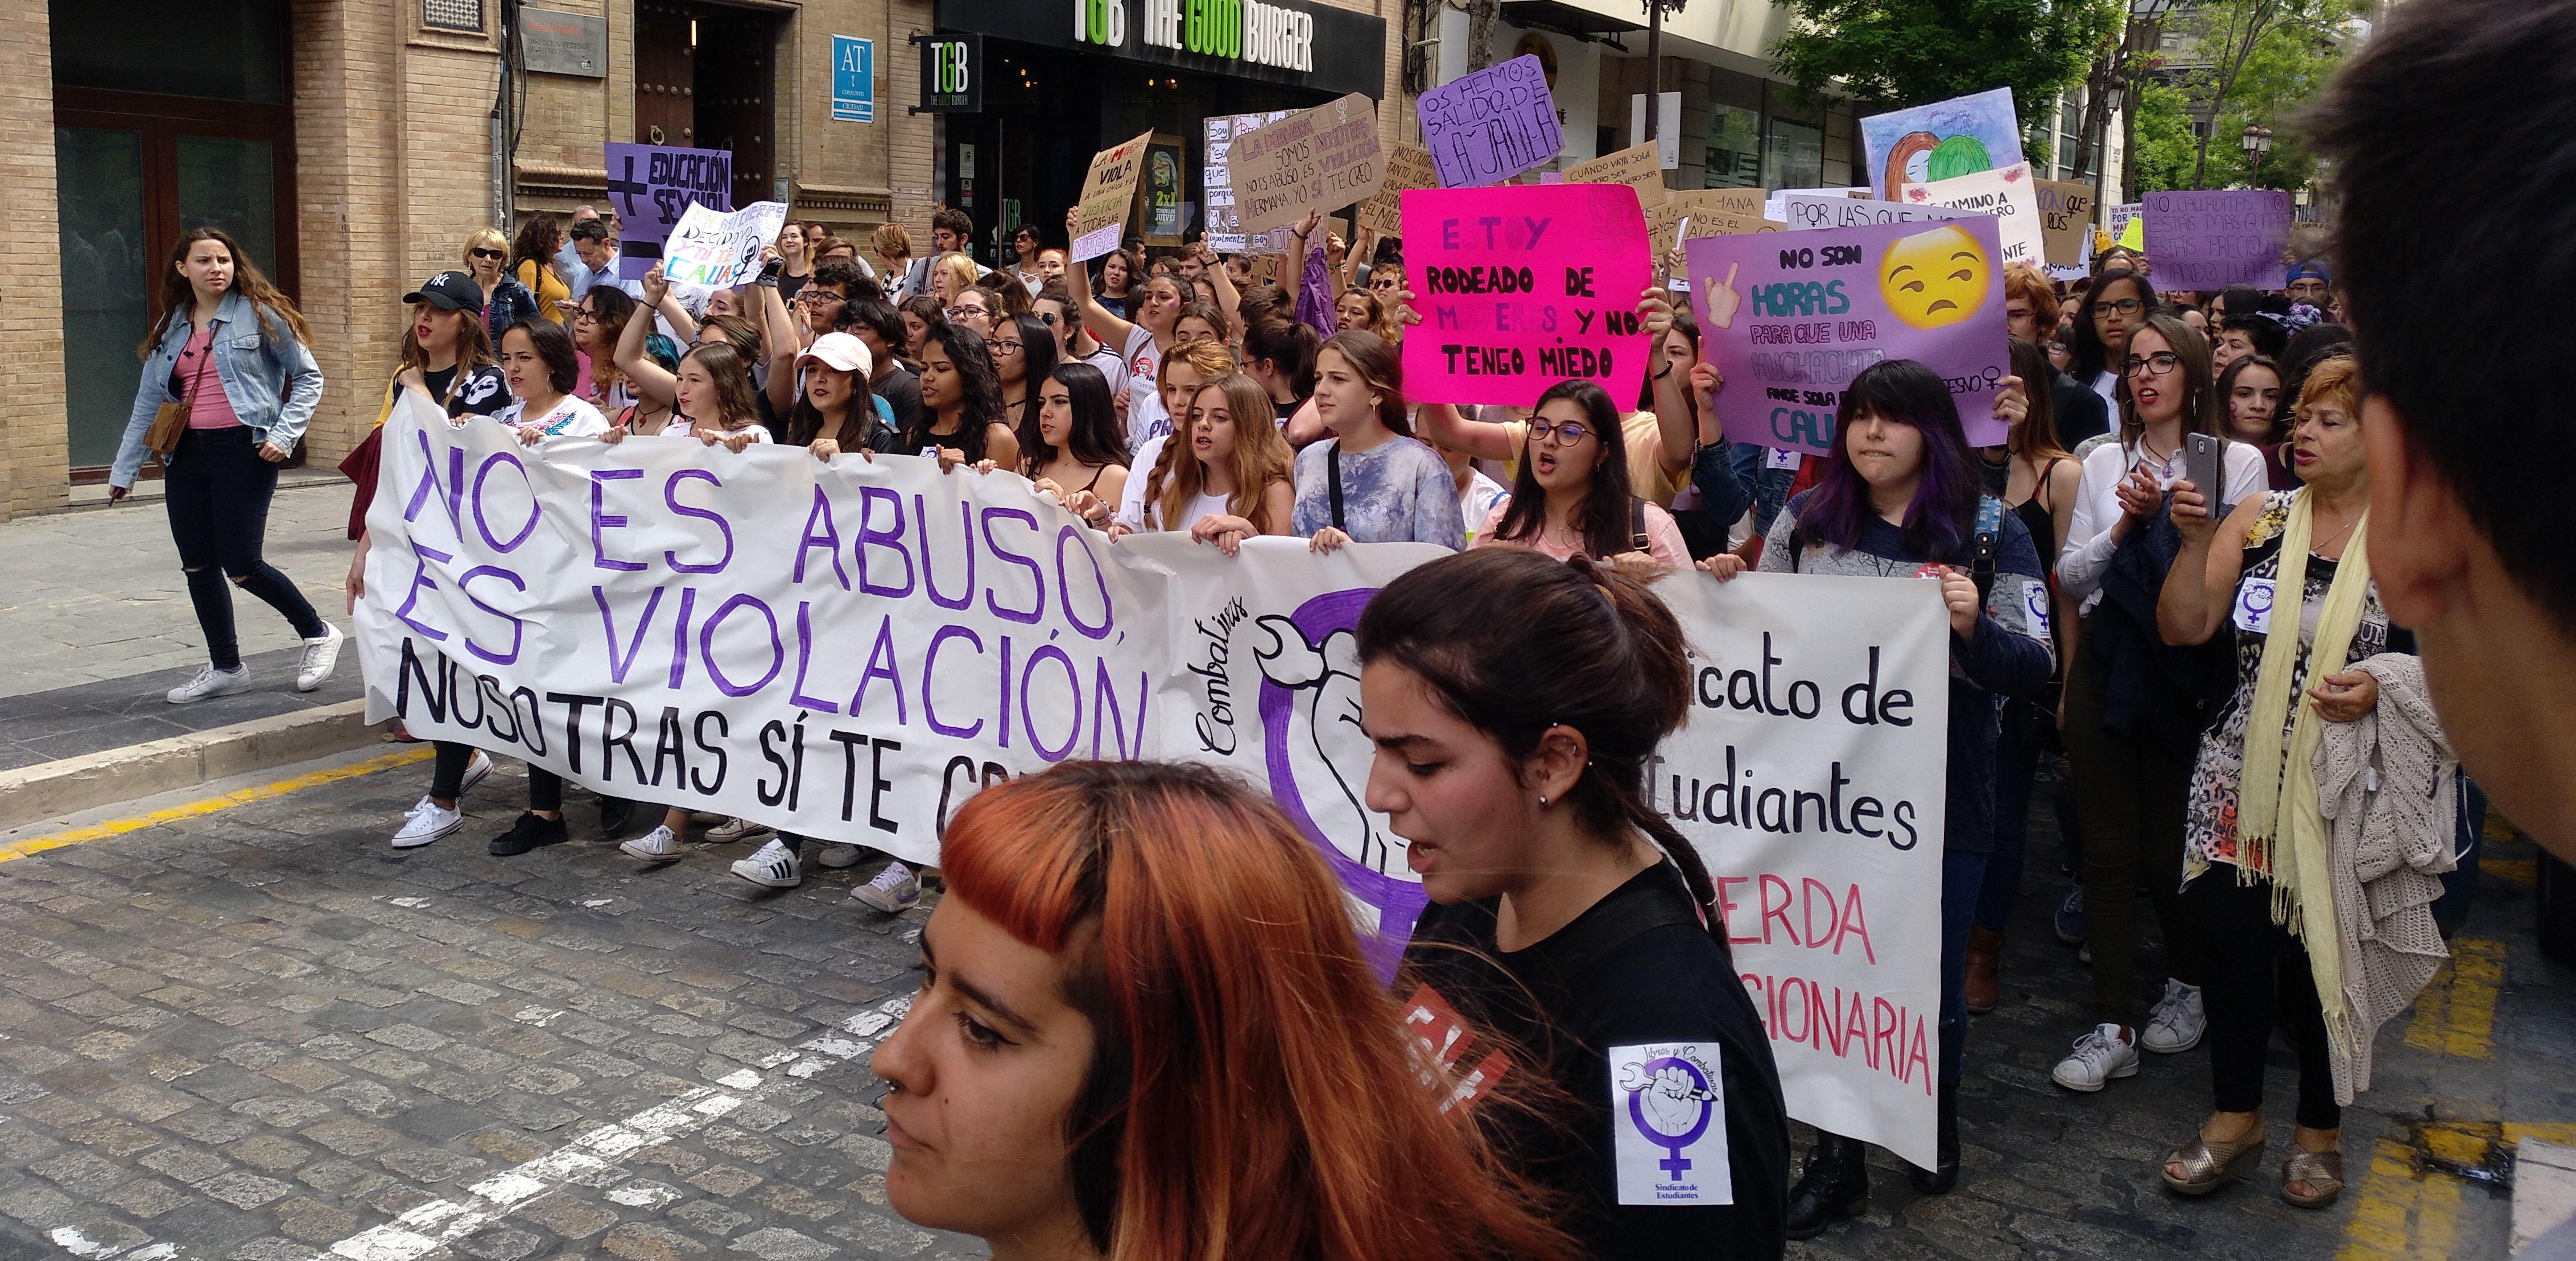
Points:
(839, 350)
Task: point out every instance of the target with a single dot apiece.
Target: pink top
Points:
(1663, 538)
(208, 406)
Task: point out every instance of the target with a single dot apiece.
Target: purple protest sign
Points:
(2213, 239)
(1790, 318)
(652, 185)
(1486, 127)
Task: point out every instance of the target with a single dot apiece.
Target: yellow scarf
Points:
(2280, 826)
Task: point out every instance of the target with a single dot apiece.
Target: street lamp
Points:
(2257, 142)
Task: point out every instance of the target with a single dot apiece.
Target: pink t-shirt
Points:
(208, 407)
(1663, 538)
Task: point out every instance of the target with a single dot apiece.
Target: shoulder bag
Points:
(171, 422)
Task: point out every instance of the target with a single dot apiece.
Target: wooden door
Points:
(665, 76)
(736, 82)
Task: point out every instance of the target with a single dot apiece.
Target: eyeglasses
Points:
(480, 252)
(2158, 364)
(1567, 433)
(2125, 306)
(585, 313)
(956, 313)
(1008, 348)
(819, 297)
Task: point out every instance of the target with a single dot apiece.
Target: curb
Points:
(49, 790)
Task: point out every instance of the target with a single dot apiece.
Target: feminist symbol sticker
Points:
(1667, 1107)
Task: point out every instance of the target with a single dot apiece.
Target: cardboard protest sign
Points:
(1100, 213)
(1791, 319)
(1815, 812)
(2065, 218)
(1522, 287)
(1637, 166)
(721, 250)
(2004, 192)
(1959, 136)
(1320, 158)
(851, 649)
(1813, 210)
(652, 186)
(1408, 167)
(1710, 212)
(1493, 124)
(2210, 240)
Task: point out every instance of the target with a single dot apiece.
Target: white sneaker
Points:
(2177, 1022)
(321, 657)
(774, 867)
(427, 822)
(208, 683)
(476, 771)
(731, 830)
(2098, 1057)
(838, 856)
(659, 845)
(891, 891)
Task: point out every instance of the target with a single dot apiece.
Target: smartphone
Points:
(2204, 462)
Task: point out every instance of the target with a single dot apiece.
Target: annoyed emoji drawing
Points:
(1936, 278)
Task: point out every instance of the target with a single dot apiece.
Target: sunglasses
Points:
(480, 252)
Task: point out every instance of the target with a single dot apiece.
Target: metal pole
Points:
(1654, 64)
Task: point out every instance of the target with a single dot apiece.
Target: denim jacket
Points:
(268, 376)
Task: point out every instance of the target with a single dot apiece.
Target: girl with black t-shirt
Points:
(963, 421)
(1514, 700)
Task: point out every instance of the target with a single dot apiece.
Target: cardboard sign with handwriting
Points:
(1636, 166)
(2065, 218)
(1322, 157)
(1408, 167)
(1489, 125)
(1100, 214)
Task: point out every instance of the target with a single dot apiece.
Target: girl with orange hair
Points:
(1146, 1031)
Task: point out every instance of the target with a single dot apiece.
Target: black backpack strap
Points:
(1984, 544)
(1333, 481)
(1637, 540)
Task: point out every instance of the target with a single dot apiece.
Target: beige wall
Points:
(33, 451)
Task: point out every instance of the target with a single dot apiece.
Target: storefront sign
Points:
(652, 186)
(854, 79)
(1302, 43)
(952, 74)
(1522, 287)
(1490, 125)
(1318, 159)
(1100, 215)
(564, 43)
(1790, 318)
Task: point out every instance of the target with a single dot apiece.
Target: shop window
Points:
(226, 50)
(1734, 147)
(1794, 156)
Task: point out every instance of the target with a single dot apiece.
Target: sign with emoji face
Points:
(1789, 318)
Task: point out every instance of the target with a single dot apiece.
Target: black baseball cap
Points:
(449, 291)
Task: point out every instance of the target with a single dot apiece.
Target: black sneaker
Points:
(616, 814)
(531, 831)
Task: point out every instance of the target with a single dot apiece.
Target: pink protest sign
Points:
(1521, 287)
(1790, 318)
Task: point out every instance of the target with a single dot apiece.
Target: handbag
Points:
(171, 421)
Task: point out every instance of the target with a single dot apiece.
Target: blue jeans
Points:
(1770, 486)
(1961, 877)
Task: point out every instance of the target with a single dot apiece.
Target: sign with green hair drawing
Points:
(1939, 141)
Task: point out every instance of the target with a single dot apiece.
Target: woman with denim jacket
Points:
(233, 349)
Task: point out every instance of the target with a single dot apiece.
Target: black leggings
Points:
(217, 492)
(2256, 971)
(447, 780)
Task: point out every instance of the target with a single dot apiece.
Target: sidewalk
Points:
(98, 625)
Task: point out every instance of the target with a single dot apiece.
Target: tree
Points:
(2161, 153)
(1889, 54)
(2243, 43)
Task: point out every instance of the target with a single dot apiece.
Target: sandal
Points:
(2321, 1170)
(2207, 1164)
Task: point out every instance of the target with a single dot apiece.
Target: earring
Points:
(1542, 801)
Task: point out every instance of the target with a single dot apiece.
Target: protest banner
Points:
(1791, 319)
(1637, 166)
(2004, 192)
(2065, 219)
(1408, 167)
(721, 250)
(1959, 136)
(1490, 125)
(2209, 240)
(1320, 158)
(849, 650)
(1811, 778)
(1108, 189)
(1817, 210)
(652, 186)
(1522, 287)
(1775, 205)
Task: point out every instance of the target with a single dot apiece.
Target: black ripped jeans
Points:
(217, 491)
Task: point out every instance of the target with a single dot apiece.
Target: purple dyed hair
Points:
(1945, 503)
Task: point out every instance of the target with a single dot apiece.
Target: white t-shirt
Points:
(1110, 364)
(1144, 360)
(569, 418)
(2087, 554)
(1479, 498)
(1131, 501)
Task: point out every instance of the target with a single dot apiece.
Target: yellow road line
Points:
(2521, 871)
(210, 805)
(2455, 1015)
(2400, 1213)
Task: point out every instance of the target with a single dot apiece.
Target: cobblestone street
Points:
(243, 1027)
